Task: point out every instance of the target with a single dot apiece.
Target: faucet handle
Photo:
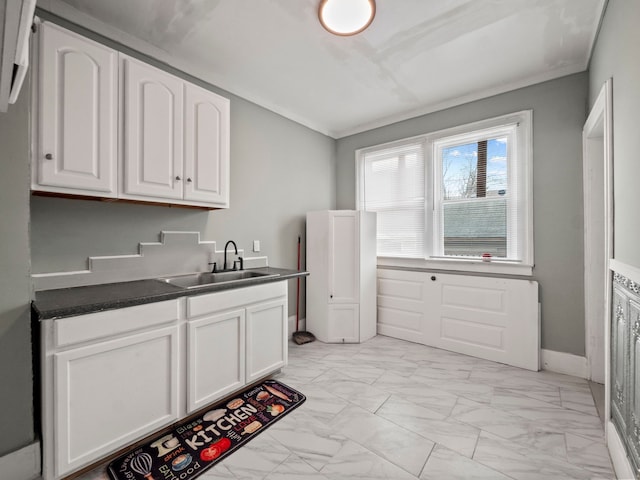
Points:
(215, 266)
(241, 260)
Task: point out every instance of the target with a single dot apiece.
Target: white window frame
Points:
(520, 171)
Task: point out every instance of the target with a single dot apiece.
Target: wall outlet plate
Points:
(256, 245)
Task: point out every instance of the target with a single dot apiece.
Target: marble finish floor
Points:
(390, 409)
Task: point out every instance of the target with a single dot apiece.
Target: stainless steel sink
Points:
(197, 280)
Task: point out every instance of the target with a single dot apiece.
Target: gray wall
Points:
(16, 398)
(616, 55)
(279, 171)
(559, 112)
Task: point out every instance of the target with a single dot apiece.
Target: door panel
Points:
(78, 113)
(153, 135)
(491, 318)
(216, 353)
(206, 147)
(266, 338)
(344, 265)
(344, 323)
(111, 393)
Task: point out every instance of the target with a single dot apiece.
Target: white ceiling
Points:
(417, 56)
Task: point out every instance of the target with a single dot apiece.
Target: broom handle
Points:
(298, 291)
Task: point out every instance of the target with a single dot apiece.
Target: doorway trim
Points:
(597, 143)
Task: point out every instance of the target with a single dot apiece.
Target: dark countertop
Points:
(68, 302)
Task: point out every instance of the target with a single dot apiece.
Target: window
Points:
(394, 188)
(454, 195)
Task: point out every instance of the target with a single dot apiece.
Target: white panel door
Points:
(206, 147)
(491, 318)
(77, 148)
(485, 317)
(266, 338)
(343, 323)
(111, 393)
(153, 131)
(344, 266)
(215, 357)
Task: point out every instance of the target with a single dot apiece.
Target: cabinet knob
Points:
(331, 296)
(49, 156)
(189, 180)
(178, 177)
(433, 278)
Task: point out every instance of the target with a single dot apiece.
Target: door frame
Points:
(598, 155)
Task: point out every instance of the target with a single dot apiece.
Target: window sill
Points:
(495, 267)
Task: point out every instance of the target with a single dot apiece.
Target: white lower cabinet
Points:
(235, 338)
(111, 378)
(216, 357)
(266, 338)
(110, 393)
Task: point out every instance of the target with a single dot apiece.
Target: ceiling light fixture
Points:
(346, 17)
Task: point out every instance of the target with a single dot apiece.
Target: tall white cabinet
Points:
(341, 287)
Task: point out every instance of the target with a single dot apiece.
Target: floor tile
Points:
(400, 446)
(445, 464)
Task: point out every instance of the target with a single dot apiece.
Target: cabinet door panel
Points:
(215, 362)
(78, 114)
(344, 265)
(206, 147)
(111, 393)
(266, 338)
(153, 136)
(344, 322)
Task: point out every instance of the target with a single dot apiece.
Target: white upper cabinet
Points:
(77, 131)
(153, 131)
(206, 147)
(110, 125)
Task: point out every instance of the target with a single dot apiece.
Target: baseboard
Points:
(565, 363)
(292, 325)
(23, 464)
(618, 454)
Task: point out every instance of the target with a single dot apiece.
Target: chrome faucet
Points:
(224, 267)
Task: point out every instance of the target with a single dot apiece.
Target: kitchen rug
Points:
(200, 441)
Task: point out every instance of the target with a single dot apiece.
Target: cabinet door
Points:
(215, 357)
(153, 131)
(343, 323)
(266, 338)
(206, 147)
(344, 264)
(77, 147)
(619, 358)
(111, 393)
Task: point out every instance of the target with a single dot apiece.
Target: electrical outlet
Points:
(256, 245)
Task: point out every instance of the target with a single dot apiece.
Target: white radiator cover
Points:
(485, 317)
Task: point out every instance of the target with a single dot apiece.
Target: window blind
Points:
(393, 182)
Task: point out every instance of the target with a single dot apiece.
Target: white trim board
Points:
(23, 464)
(565, 363)
(618, 454)
(624, 269)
